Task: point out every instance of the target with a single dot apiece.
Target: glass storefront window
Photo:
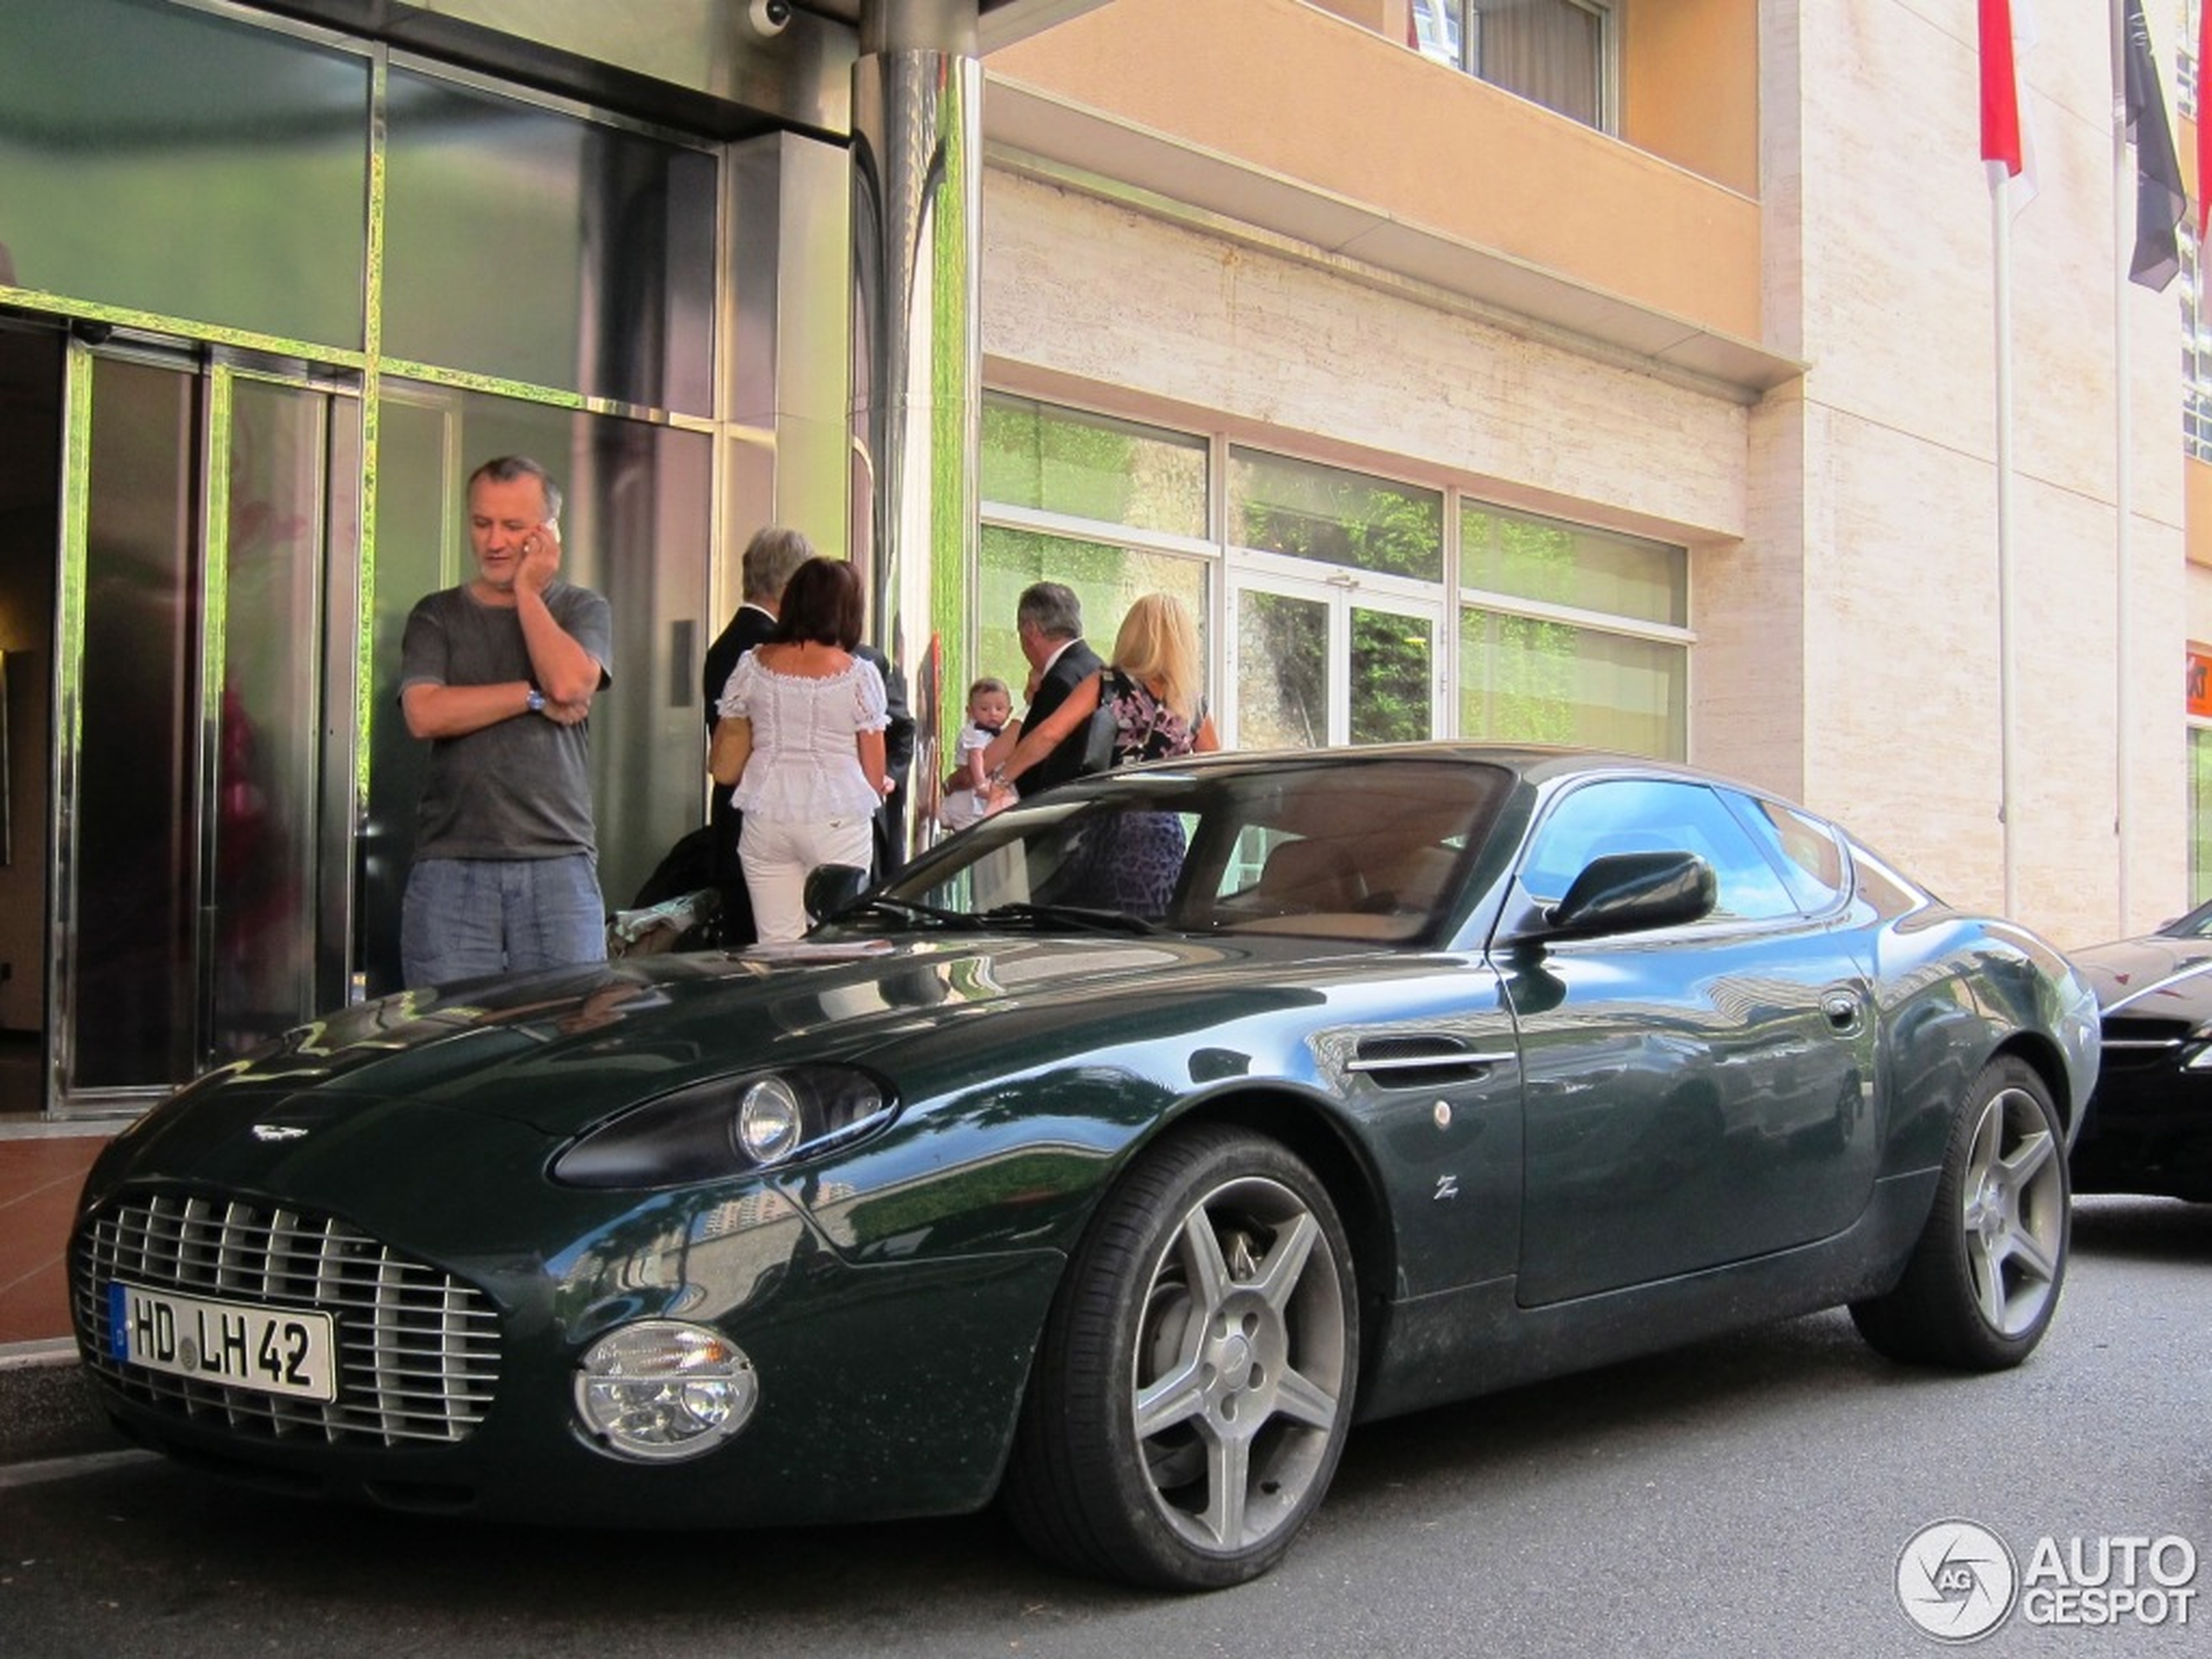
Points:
(1557, 564)
(1106, 577)
(530, 245)
(1352, 519)
(131, 937)
(1283, 672)
(1088, 466)
(164, 159)
(1527, 679)
(268, 756)
(1393, 676)
(1321, 658)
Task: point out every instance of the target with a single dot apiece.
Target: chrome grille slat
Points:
(418, 1350)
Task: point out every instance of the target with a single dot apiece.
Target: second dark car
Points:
(2148, 1128)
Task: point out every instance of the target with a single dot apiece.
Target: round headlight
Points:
(659, 1390)
(770, 1123)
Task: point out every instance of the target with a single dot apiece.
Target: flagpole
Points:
(2008, 746)
(2123, 446)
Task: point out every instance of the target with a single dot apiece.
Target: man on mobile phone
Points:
(498, 675)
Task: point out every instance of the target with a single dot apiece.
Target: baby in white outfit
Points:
(989, 706)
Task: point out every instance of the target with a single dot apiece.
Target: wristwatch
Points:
(536, 703)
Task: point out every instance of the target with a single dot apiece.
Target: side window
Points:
(1655, 815)
(1806, 850)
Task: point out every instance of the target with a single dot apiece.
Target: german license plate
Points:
(272, 1350)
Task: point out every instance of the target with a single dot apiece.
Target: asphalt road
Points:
(1752, 1495)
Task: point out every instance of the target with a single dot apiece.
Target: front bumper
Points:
(886, 1390)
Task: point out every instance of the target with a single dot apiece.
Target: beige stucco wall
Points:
(1886, 549)
(1843, 528)
(1302, 92)
(1106, 305)
(1665, 45)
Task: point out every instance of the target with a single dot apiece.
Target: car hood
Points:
(559, 1050)
(2159, 977)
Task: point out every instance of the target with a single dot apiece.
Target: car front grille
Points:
(2138, 1042)
(418, 1350)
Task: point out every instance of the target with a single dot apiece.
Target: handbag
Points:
(1104, 728)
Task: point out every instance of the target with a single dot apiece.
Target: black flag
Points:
(2160, 200)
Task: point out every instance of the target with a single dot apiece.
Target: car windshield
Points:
(2195, 925)
(1344, 846)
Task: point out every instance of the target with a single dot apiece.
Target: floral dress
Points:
(1132, 860)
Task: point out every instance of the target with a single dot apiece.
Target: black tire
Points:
(1214, 1291)
(1983, 1282)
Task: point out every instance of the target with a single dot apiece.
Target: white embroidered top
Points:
(805, 766)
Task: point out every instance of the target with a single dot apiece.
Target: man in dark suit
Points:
(770, 557)
(1049, 621)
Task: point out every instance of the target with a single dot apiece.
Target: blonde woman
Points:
(1131, 861)
(1152, 682)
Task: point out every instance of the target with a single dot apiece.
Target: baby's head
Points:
(989, 702)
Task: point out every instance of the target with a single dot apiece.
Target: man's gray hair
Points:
(770, 557)
(1052, 608)
(505, 469)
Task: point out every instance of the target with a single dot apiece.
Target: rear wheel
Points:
(1194, 1383)
(1983, 1282)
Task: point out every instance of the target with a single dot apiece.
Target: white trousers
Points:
(776, 858)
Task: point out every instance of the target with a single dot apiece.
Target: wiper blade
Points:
(1071, 915)
(912, 910)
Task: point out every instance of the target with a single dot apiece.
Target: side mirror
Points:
(1626, 893)
(832, 888)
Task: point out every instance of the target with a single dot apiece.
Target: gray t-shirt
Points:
(521, 789)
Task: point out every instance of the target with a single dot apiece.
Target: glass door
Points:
(205, 719)
(1327, 661)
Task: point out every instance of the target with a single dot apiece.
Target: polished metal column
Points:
(917, 399)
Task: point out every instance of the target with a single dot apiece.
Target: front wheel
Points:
(1983, 1281)
(1194, 1382)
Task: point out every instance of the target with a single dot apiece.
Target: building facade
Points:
(1599, 371)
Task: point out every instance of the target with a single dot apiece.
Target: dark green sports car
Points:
(1111, 1162)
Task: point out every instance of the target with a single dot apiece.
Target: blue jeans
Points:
(468, 918)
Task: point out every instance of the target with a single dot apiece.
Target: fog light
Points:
(658, 1390)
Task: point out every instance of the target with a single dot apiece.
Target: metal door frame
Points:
(336, 792)
(1340, 590)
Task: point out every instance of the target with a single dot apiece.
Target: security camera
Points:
(768, 18)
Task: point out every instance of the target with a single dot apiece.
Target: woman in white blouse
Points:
(800, 734)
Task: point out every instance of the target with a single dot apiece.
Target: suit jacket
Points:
(750, 626)
(897, 759)
(1075, 665)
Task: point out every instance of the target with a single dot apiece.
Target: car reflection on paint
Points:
(1433, 1069)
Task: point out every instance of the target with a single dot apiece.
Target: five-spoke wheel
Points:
(1196, 1379)
(1984, 1280)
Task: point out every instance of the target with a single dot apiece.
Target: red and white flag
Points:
(2203, 126)
(2007, 145)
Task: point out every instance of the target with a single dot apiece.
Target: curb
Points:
(48, 1409)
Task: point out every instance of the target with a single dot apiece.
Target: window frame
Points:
(1459, 24)
(1227, 564)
